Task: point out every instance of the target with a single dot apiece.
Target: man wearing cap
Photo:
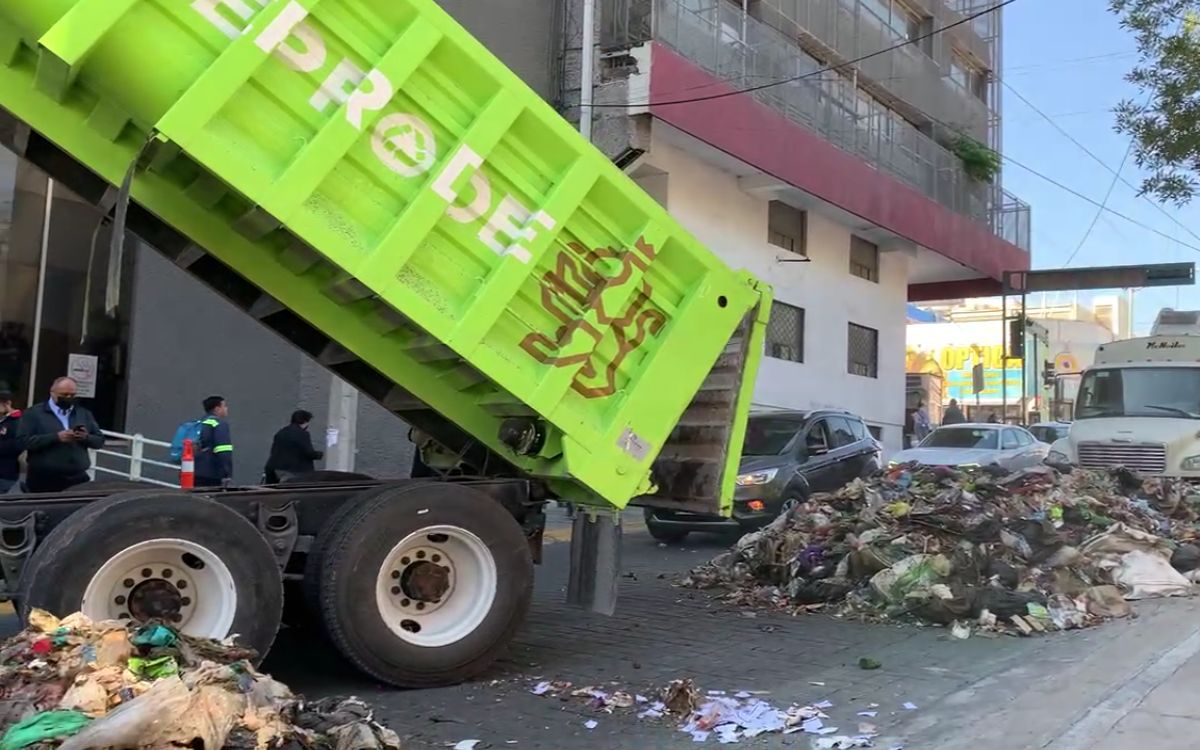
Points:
(11, 444)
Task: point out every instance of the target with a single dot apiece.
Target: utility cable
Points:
(1103, 204)
(819, 71)
(1116, 173)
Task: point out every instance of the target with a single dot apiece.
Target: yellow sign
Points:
(950, 358)
(1066, 362)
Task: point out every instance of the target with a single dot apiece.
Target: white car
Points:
(966, 445)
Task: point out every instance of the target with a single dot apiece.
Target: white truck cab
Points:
(1139, 404)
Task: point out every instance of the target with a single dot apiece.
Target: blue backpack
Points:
(189, 430)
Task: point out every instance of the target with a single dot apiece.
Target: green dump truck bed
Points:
(364, 178)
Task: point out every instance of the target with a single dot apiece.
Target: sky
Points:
(1044, 43)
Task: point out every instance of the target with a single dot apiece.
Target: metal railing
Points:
(133, 465)
(745, 53)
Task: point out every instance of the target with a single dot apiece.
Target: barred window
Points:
(787, 227)
(785, 332)
(864, 351)
(864, 259)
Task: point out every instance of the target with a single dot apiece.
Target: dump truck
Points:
(366, 180)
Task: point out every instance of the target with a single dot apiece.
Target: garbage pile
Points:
(77, 684)
(1025, 552)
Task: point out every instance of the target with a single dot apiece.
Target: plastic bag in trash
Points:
(131, 722)
(43, 727)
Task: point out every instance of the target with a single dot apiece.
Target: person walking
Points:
(292, 449)
(11, 446)
(921, 424)
(953, 415)
(57, 435)
(214, 455)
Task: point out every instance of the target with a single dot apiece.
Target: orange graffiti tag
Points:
(575, 292)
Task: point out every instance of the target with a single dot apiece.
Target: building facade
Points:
(841, 181)
(842, 189)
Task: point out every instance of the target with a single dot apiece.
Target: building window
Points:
(864, 259)
(787, 227)
(785, 332)
(968, 76)
(863, 347)
(900, 21)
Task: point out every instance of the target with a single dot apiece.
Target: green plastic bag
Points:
(154, 669)
(44, 726)
(154, 636)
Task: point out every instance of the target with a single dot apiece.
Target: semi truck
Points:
(1139, 403)
(366, 180)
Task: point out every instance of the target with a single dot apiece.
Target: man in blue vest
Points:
(214, 455)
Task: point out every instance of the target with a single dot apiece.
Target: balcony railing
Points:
(745, 53)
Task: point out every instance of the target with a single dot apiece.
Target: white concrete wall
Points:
(709, 202)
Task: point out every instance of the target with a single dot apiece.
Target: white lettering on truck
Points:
(402, 142)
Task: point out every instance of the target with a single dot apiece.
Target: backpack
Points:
(189, 430)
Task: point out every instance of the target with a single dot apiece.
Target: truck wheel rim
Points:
(436, 586)
(173, 580)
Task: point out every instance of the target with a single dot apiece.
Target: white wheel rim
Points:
(179, 582)
(436, 586)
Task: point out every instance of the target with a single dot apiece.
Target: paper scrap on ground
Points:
(823, 704)
(466, 744)
(591, 723)
(541, 688)
(910, 706)
(868, 714)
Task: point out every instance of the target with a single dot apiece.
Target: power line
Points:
(1071, 61)
(1096, 203)
(1103, 205)
(839, 66)
(1116, 173)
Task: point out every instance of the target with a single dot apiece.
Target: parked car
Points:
(785, 457)
(965, 445)
(1048, 432)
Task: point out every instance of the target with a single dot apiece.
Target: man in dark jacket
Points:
(11, 446)
(292, 449)
(953, 414)
(57, 435)
(214, 455)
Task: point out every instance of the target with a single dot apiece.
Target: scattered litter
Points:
(909, 706)
(541, 688)
(841, 742)
(977, 551)
(823, 705)
(868, 714)
(466, 744)
(818, 684)
(591, 723)
(84, 684)
(867, 662)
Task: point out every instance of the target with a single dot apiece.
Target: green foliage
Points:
(1164, 122)
(980, 162)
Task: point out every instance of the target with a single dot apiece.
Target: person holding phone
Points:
(57, 435)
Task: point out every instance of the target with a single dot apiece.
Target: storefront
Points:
(64, 300)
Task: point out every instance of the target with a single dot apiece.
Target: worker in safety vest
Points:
(214, 455)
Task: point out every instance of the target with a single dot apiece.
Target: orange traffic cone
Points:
(187, 468)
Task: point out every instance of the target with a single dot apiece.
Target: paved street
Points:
(1122, 685)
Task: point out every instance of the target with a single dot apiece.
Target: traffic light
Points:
(1016, 338)
(1049, 376)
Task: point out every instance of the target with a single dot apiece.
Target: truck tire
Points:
(153, 554)
(424, 586)
(314, 563)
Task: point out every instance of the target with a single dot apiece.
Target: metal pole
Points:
(587, 72)
(1024, 415)
(41, 293)
(1004, 355)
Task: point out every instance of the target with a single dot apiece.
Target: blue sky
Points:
(1044, 41)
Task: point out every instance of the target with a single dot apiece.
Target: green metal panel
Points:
(368, 166)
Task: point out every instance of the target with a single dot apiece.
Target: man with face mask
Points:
(57, 435)
(11, 446)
